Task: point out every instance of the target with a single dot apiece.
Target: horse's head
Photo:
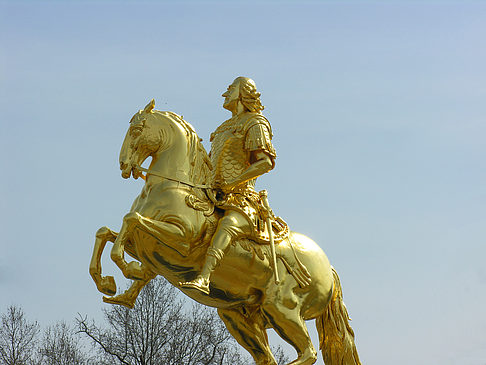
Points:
(143, 139)
(175, 148)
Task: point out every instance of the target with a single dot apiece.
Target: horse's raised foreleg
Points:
(170, 229)
(249, 330)
(128, 298)
(133, 270)
(105, 284)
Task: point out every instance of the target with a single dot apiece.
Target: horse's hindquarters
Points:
(316, 296)
(242, 273)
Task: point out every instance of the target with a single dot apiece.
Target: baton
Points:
(264, 196)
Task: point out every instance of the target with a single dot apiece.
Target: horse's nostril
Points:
(122, 165)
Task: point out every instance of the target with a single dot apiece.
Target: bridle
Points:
(150, 172)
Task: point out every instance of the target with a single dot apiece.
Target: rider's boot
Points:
(230, 227)
(201, 282)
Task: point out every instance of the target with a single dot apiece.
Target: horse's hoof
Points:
(307, 358)
(107, 285)
(119, 300)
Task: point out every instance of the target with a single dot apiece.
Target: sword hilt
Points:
(264, 197)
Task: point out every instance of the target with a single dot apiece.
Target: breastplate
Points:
(228, 156)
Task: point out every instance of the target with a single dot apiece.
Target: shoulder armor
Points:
(257, 118)
(259, 135)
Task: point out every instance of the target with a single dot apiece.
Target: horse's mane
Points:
(200, 163)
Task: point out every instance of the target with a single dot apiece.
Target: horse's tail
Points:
(336, 337)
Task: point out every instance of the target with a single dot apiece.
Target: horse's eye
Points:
(136, 131)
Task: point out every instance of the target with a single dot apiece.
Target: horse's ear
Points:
(149, 107)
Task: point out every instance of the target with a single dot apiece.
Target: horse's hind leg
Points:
(249, 331)
(282, 309)
(105, 284)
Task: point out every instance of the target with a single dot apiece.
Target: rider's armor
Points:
(232, 144)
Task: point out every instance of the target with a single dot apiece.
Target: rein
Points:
(148, 172)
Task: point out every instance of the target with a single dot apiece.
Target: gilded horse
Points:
(168, 230)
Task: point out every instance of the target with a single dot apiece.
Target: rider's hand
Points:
(228, 187)
(219, 192)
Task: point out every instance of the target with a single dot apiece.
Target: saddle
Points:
(250, 204)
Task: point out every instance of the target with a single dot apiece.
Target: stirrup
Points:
(198, 283)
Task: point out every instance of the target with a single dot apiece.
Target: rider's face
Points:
(231, 96)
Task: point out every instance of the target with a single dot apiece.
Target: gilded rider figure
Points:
(241, 151)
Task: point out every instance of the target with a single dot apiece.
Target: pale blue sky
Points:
(379, 115)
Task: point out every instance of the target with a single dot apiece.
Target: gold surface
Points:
(197, 220)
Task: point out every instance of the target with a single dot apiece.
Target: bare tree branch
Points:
(160, 330)
(17, 337)
(60, 346)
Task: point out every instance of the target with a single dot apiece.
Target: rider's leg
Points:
(232, 226)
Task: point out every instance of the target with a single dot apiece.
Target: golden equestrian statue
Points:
(199, 222)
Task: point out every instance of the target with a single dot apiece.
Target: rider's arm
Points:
(262, 163)
(258, 144)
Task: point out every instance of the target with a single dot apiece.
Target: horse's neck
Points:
(174, 161)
